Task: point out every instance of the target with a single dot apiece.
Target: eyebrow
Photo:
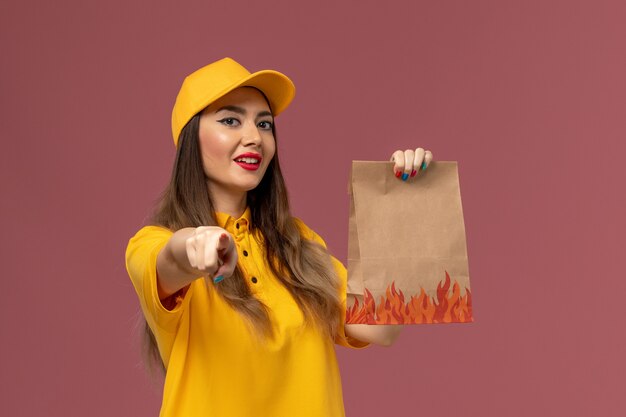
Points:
(242, 111)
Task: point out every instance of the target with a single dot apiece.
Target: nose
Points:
(251, 135)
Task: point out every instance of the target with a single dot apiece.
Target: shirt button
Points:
(254, 280)
(245, 253)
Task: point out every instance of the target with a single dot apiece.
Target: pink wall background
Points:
(528, 96)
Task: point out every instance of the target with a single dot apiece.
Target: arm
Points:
(192, 253)
(382, 335)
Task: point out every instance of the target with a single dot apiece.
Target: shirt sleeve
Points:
(141, 257)
(342, 339)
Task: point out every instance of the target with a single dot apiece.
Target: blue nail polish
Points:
(218, 279)
(405, 176)
(423, 166)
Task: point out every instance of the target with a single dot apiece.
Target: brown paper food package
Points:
(407, 253)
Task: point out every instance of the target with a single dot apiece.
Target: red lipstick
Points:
(252, 162)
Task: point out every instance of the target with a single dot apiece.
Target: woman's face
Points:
(236, 141)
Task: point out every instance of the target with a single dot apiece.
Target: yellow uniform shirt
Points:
(214, 367)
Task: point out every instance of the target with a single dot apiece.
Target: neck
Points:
(227, 200)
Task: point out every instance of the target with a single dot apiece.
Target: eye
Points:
(265, 125)
(229, 121)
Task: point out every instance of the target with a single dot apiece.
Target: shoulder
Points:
(308, 233)
(147, 240)
(151, 233)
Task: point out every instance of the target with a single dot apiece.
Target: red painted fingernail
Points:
(398, 173)
(413, 173)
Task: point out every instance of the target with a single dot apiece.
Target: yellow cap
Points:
(215, 80)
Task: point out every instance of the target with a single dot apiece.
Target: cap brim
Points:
(277, 87)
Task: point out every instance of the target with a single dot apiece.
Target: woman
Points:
(242, 300)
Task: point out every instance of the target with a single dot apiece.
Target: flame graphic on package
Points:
(449, 307)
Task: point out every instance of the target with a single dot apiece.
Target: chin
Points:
(247, 182)
(248, 186)
(252, 183)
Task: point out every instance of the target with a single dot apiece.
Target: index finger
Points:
(399, 162)
(227, 253)
(223, 242)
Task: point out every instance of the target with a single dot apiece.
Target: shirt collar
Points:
(233, 225)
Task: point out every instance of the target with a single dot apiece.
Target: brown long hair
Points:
(301, 265)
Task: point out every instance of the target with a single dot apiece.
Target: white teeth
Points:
(248, 160)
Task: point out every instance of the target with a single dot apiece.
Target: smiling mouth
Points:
(249, 164)
(248, 160)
